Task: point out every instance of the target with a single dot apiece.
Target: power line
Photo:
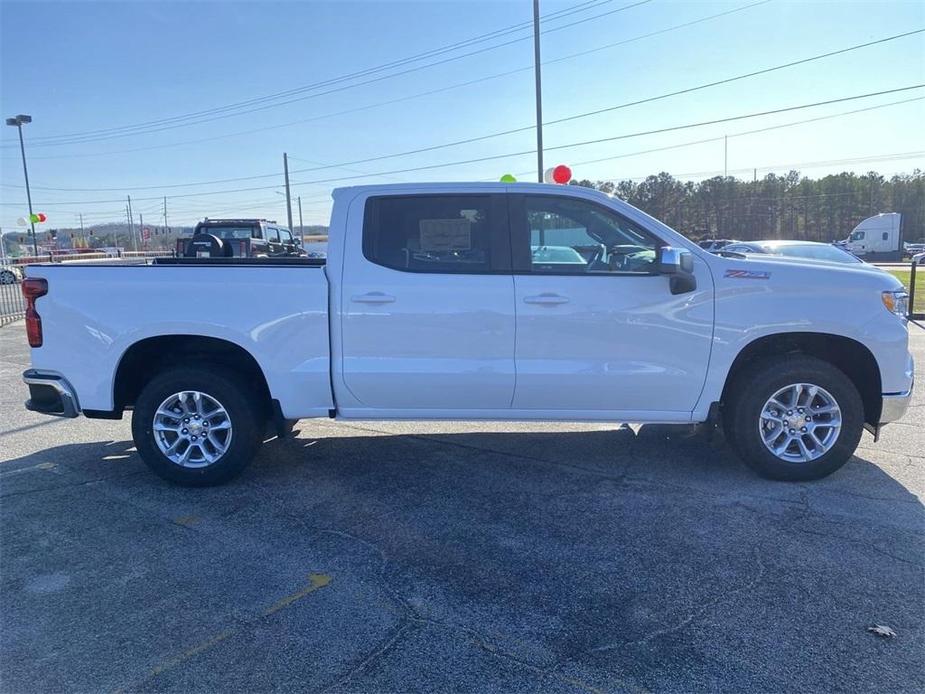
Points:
(526, 152)
(480, 138)
(200, 117)
(740, 134)
(413, 96)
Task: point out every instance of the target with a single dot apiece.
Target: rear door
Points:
(427, 306)
(598, 329)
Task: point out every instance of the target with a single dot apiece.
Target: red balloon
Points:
(42, 217)
(562, 174)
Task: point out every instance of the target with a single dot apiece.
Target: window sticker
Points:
(446, 234)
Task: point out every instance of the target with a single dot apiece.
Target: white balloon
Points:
(547, 175)
(22, 221)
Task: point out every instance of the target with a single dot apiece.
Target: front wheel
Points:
(794, 418)
(197, 426)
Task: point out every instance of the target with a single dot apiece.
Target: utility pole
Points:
(18, 121)
(81, 223)
(131, 224)
(539, 90)
(288, 196)
(165, 214)
(725, 156)
(141, 230)
(301, 228)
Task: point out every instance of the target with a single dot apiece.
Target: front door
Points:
(598, 329)
(427, 307)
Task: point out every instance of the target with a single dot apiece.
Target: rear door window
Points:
(438, 233)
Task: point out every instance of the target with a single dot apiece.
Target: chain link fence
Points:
(13, 271)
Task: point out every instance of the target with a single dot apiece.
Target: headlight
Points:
(896, 302)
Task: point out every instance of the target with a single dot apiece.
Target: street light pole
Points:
(18, 121)
(301, 228)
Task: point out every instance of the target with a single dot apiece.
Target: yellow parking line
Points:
(316, 581)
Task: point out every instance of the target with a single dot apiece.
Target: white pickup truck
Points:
(475, 301)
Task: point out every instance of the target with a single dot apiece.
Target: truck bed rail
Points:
(269, 262)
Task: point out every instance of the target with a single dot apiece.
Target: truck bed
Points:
(274, 309)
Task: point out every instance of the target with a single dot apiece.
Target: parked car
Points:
(809, 250)
(10, 274)
(430, 306)
(713, 245)
(239, 238)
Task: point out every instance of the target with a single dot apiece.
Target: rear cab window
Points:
(438, 233)
(228, 232)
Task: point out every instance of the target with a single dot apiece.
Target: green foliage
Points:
(792, 207)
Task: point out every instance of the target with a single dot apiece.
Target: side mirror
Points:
(675, 261)
(678, 264)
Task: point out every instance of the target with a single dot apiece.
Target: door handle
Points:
(546, 299)
(373, 298)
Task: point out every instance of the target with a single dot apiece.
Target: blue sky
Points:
(94, 66)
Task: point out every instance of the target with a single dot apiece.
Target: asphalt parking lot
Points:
(455, 557)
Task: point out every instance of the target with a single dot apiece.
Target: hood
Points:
(807, 271)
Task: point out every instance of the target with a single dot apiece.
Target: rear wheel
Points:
(197, 426)
(794, 418)
(7, 277)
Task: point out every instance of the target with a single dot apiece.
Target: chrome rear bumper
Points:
(50, 394)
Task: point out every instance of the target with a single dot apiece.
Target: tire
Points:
(748, 424)
(7, 277)
(239, 404)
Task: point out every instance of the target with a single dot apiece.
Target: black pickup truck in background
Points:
(239, 238)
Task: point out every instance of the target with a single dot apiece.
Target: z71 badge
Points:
(748, 274)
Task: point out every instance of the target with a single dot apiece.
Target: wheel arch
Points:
(853, 358)
(146, 358)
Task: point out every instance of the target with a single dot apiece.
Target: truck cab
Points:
(877, 238)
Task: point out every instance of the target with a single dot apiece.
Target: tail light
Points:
(32, 289)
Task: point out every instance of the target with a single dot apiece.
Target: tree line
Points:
(775, 207)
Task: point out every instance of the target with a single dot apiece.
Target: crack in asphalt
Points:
(409, 617)
(84, 483)
(701, 610)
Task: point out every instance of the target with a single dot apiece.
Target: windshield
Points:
(228, 232)
(821, 252)
(856, 236)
